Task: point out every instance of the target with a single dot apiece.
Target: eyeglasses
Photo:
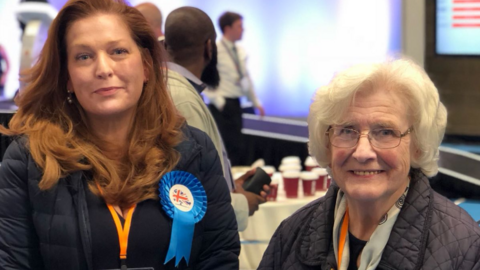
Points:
(382, 138)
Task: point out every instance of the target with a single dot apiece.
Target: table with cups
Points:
(290, 190)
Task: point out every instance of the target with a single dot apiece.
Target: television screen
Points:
(457, 27)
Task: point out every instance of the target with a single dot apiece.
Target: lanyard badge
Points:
(343, 238)
(184, 200)
(123, 232)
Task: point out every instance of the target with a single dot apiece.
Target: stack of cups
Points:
(310, 163)
(309, 180)
(290, 169)
(322, 181)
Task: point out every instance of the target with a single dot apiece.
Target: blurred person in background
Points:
(4, 68)
(235, 82)
(377, 129)
(22, 25)
(154, 17)
(98, 141)
(190, 43)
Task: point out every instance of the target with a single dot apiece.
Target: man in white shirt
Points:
(235, 82)
(190, 43)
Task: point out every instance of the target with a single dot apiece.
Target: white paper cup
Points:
(290, 167)
(291, 160)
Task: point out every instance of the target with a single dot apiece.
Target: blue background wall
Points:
(293, 47)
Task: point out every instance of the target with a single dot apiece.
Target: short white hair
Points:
(409, 81)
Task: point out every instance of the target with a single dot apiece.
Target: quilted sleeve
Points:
(273, 255)
(19, 248)
(471, 260)
(221, 244)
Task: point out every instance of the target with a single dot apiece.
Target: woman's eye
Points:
(82, 57)
(345, 132)
(119, 51)
(385, 132)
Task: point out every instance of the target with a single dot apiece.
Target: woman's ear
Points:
(329, 154)
(415, 153)
(146, 74)
(70, 86)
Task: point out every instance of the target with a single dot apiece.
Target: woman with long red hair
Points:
(102, 163)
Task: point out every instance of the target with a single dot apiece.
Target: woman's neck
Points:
(112, 130)
(364, 217)
(364, 220)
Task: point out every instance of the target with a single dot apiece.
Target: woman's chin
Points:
(364, 194)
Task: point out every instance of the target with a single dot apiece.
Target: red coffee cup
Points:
(322, 178)
(309, 180)
(290, 183)
(272, 194)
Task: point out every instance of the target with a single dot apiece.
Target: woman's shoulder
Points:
(196, 144)
(446, 216)
(452, 217)
(453, 235)
(194, 136)
(17, 149)
(309, 216)
(16, 164)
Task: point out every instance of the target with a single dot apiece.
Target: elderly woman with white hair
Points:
(377, 129)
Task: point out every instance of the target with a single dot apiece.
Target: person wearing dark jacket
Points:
(377, 128)
(103, 163)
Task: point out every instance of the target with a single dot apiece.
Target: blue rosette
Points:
(184, 200)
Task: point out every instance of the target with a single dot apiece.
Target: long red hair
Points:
(59, 138)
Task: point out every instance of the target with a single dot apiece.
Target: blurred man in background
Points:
(154, 18)
(190, 43)
(4, 67)
(235, 82)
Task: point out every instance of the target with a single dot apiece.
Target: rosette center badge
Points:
(181, 198)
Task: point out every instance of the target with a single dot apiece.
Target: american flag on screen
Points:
(466, 13)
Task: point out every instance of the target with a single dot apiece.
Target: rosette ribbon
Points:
(184, 211)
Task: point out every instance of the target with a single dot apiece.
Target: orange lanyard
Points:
(122, 232)
(343, 237)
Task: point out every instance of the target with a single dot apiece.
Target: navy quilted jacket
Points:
(50, 229)
(430, 233)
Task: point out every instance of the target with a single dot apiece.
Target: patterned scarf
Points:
(372, 252)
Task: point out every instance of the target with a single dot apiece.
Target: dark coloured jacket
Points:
(430, 233)
(51, 230)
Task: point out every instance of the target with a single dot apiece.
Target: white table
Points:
(262, 225)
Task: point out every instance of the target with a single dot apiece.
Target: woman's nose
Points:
(364, 150)
(104, 67)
